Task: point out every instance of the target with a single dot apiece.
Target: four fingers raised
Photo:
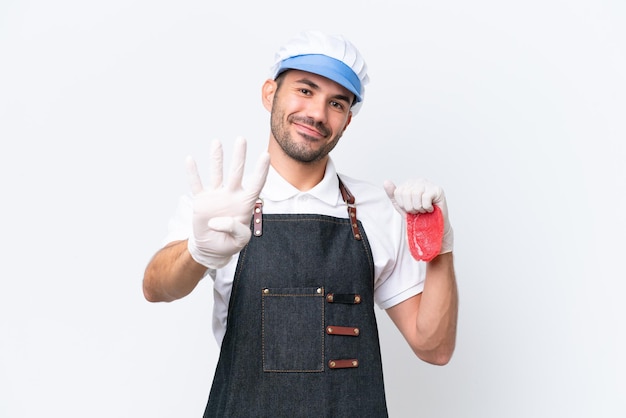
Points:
(235, 178)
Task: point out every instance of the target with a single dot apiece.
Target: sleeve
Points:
(179, 226)
(399, 276)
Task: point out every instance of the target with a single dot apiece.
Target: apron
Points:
(301, 339)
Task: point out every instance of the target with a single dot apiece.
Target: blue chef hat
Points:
(331, 56)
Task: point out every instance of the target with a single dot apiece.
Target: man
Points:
(301, 254)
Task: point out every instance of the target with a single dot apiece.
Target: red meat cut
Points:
(425, 234)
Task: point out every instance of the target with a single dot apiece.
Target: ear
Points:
(267, 94)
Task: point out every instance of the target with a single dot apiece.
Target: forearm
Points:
(428, 320)
(436, 320)
(171, 274)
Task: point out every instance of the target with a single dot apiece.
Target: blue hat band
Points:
(325, 66)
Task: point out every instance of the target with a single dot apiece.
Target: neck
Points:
(302, 176)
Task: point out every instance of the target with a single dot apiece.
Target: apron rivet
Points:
(319, 290)
(266, 291)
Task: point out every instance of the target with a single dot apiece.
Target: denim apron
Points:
(301, 338)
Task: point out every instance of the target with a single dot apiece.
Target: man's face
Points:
(309, 115)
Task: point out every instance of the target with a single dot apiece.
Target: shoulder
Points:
(374, 208)
(364, 191)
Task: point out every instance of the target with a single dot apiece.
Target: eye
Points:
(337, 105)
(305, 91)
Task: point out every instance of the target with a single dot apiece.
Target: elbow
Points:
(150, 291)
(438, 359)
(439, 356)
(148, 294)
(152, 296)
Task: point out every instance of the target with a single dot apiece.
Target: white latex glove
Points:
(419, 196)
(221, 212)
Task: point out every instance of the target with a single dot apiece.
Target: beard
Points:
(303, 152)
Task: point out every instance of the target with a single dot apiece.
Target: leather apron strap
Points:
(345, 195)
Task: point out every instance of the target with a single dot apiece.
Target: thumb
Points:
(390, 189)
(239, 232)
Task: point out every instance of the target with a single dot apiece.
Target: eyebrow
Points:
(314, 86)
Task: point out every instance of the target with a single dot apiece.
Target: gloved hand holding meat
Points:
(423, 205)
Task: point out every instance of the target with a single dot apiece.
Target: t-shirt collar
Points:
(277, 188)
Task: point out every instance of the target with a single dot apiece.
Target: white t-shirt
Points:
(397, 276)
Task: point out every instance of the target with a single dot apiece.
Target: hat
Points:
(331, 56)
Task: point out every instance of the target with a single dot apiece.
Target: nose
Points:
(317, 109)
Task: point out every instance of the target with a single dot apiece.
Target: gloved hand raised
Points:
(221, 212)
(419, 196)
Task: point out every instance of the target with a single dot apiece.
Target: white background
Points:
(516, 108)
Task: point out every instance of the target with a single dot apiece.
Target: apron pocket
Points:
(293, 329)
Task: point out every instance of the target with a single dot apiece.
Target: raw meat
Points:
(425, 234)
